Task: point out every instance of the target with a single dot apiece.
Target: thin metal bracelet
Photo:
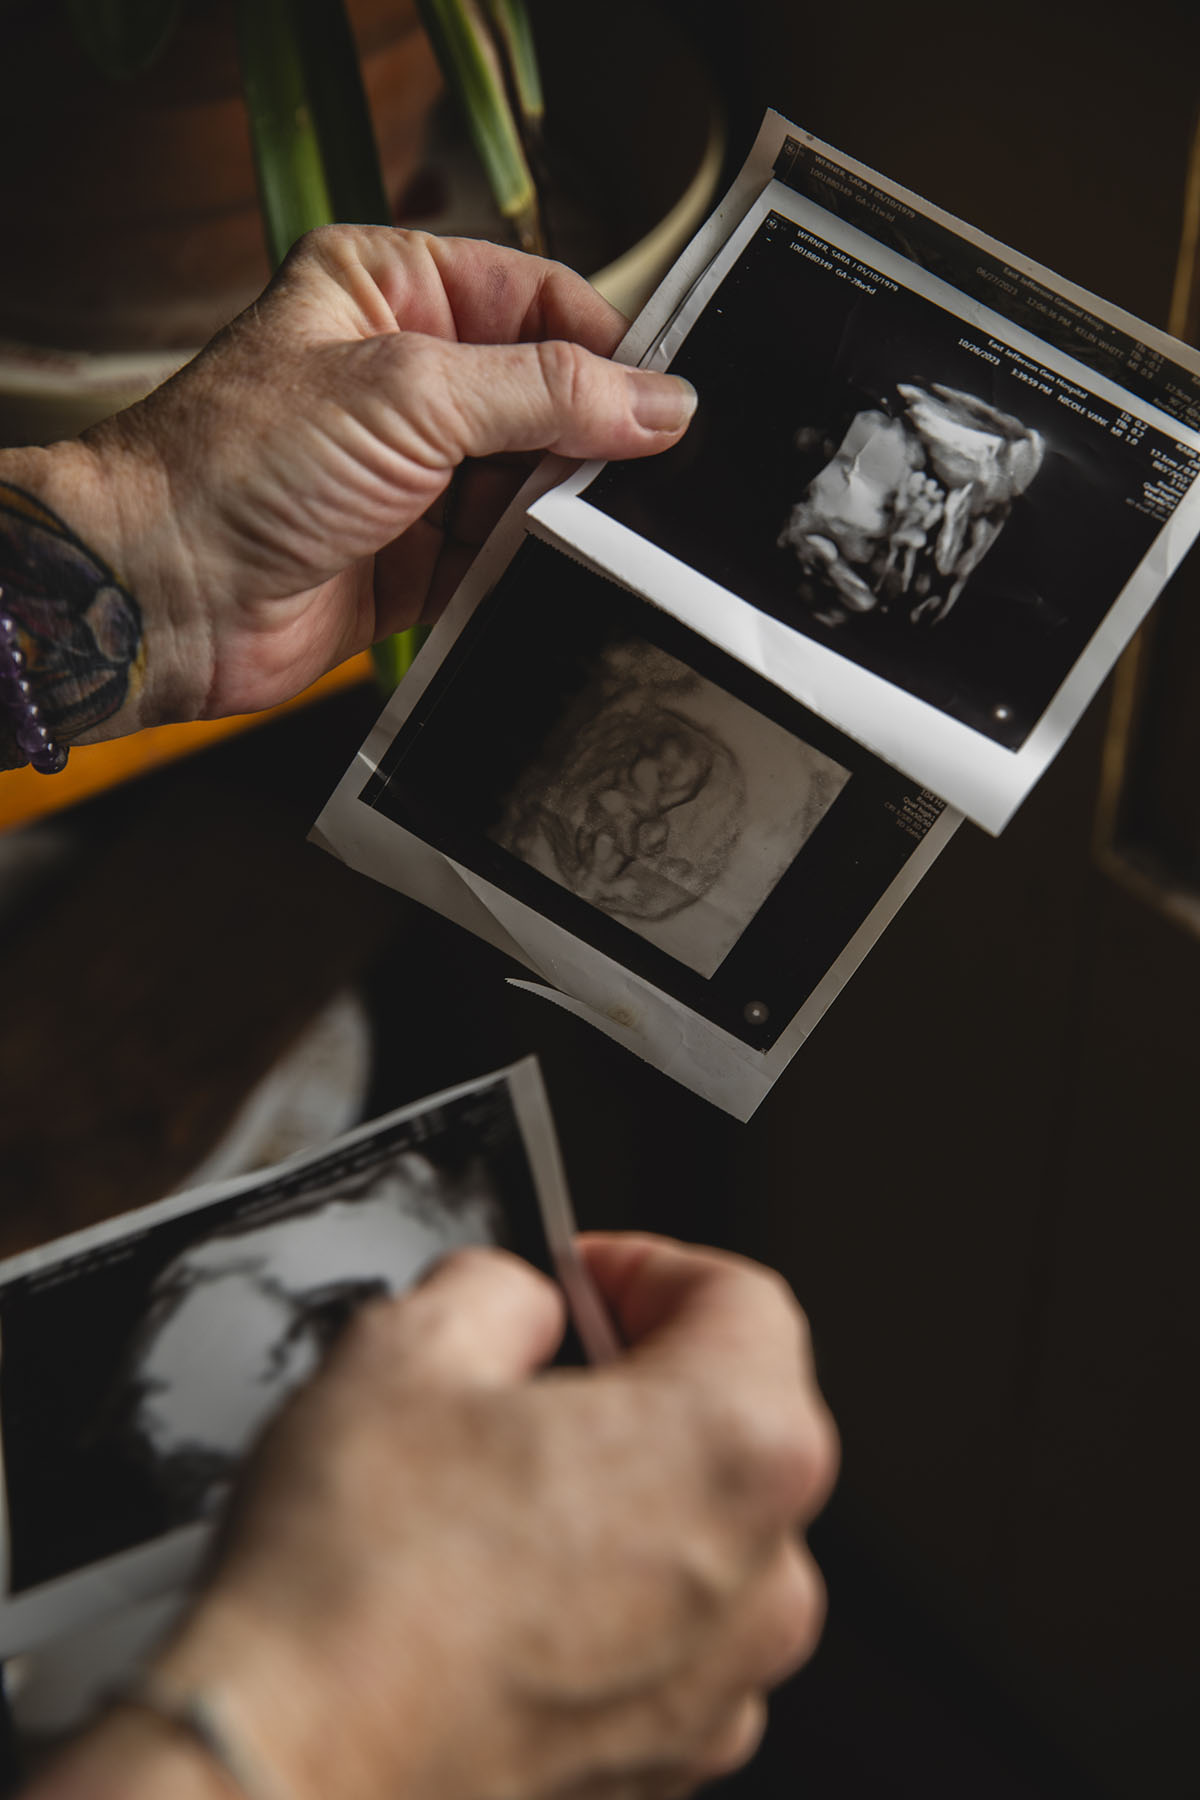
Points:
(31, 737)
(198, 1716)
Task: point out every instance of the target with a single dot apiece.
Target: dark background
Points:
(784, 344)
(979, 1175)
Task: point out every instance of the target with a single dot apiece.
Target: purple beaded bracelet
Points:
(16, 699)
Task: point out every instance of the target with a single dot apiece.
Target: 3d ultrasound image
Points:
(909, 504)
(868, 468)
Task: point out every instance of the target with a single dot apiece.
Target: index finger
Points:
(460, 288)
(499, 295)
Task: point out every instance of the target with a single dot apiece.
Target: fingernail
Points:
(661, 402)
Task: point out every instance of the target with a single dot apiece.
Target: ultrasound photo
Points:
(140, 1365)
(618, 781)
(883, 478)
(667, 803)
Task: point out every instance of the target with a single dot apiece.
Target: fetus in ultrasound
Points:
(635, 804)
(908, 504)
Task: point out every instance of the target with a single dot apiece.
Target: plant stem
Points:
(511, 24)
(315, 154)
(475, 73)
(293, 188)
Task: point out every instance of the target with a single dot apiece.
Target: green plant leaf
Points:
(474, 73)
(393, 656)
(333, 76)
(314, 145)
(514, 32)
(123, 37)
(293, 190)
(314, 152)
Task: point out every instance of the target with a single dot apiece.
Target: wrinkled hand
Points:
(283, 500)
(453, 1582)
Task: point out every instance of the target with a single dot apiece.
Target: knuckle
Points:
(416, 361)
(490, 1264)
(476, 1259)
(328, 246)
(779, 1295)
(799, 1607)
(777, 1285)
(782, 1320)
(339, 245)
(825, 1463)
(470, 1285)
(564, 370)
(774, 1439)
(421, 405)
(735, 1742)
(328, 240)
(777, 1450)
(373, 1332)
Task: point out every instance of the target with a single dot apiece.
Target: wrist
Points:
(290, 1710)
(85, 548)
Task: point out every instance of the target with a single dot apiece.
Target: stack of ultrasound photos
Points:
(695, 726)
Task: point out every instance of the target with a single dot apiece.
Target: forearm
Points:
(77, 555)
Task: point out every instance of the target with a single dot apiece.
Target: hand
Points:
(278, 505)
(453, 1582)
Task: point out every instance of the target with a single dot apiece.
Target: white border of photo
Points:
(972, 772)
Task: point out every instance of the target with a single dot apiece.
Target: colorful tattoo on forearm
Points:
(80, 630)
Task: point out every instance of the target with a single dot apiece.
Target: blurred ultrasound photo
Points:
(667, 803)
(240, 1318)
(136, 1374)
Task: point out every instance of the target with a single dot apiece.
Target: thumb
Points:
(482, 1317)
(481, 399)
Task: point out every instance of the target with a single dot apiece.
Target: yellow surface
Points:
(26, 795)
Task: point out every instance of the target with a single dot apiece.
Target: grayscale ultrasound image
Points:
(908, 505)
(667, 803)
(137, 1372)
